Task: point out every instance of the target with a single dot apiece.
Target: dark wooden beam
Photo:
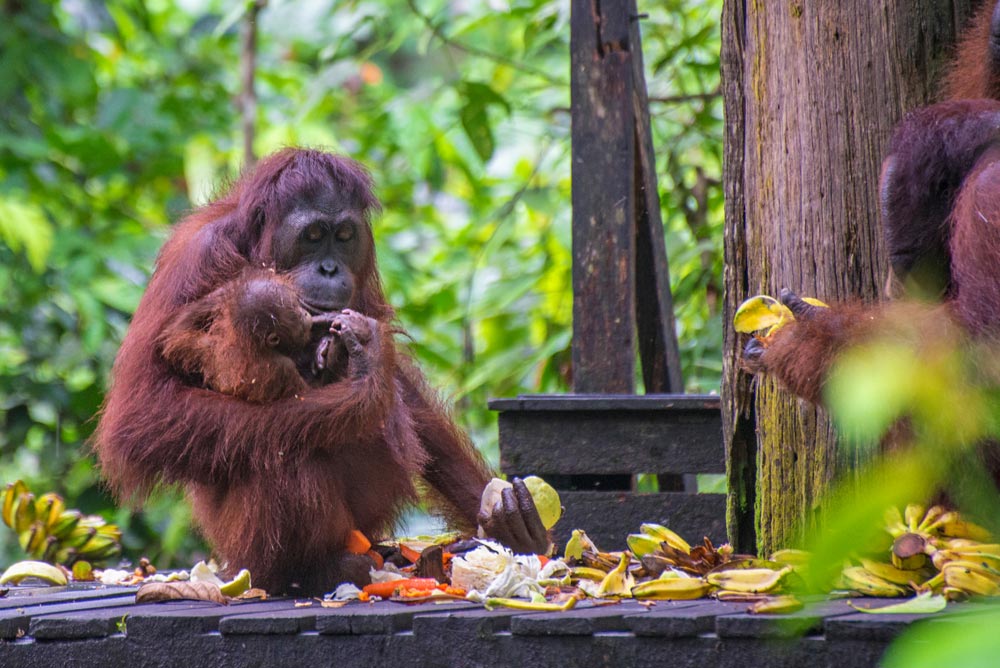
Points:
(657, 333)
(604, 335)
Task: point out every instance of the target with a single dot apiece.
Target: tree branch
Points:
(248, 62)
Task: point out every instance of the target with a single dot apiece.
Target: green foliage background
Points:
(117, 117)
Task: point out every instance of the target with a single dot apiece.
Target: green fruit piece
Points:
(33, 569)
(237, 585)
(546, 500)
(83, 571)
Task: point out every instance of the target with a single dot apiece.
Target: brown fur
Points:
(238, 339)
(975, 70)
(276, 486)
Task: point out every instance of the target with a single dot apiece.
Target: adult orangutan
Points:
(279, 479)
(940, 200)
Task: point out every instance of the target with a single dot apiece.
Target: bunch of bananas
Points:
(47, 530)
(934, 550)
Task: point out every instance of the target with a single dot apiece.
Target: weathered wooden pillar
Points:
(621, 279)
(812, 92)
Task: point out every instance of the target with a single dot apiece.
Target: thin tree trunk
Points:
(248, 65)
(812, 91)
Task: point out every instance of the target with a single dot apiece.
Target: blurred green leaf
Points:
(24, 226)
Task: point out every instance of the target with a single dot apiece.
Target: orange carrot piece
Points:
(377, 558)
(408, 552)
(357, 543)
(386, 589)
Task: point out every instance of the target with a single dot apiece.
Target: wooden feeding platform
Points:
(102, 626)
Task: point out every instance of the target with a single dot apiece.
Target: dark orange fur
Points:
(278, 486)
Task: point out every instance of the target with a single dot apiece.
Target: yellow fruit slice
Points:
(761, 312)
(546, 500)
(237, 585)
(33, 569)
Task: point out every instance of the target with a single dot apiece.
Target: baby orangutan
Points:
(250, 337)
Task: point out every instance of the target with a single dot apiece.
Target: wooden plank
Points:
(478, 622)
(603, 141)
(584, 620)
(608, 517)
(709, 403)
(181, 618)
(808, 620)
(14, 622)
(278, 622)
(657, 332)
(383, 617)
(18, 597)
(77, 625)
(680, 619)
(681, 439)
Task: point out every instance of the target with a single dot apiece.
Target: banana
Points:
(96, 542)
(618, 581)
(894, 522)
(110, 530)
(11, 493)
(913, 515)
(664, 535)
(976, 567)
(65, 523)
(79, 537)
(791, 557)
(945, 556)
(970, 581)
(932, 515)
(776, 605)
(890, 573)
(954, 594)
(950, 525)
(33, 569)
(65, 555)
(587, 573)
(642, 544)
(33, 540)
(92, 521)
(749, 580)
(24, 512)
(963, 543)
(577, 543)
(51, 547)
(865, 582)
(48, 508)
(671, 589)
(521, 604)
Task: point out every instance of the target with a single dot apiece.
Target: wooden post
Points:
(620, 272)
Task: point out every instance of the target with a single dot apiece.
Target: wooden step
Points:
(592, 447)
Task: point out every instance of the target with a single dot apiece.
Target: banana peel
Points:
(33, 569)
(767, 314)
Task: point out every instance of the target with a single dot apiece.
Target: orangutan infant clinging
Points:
(280, 476)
